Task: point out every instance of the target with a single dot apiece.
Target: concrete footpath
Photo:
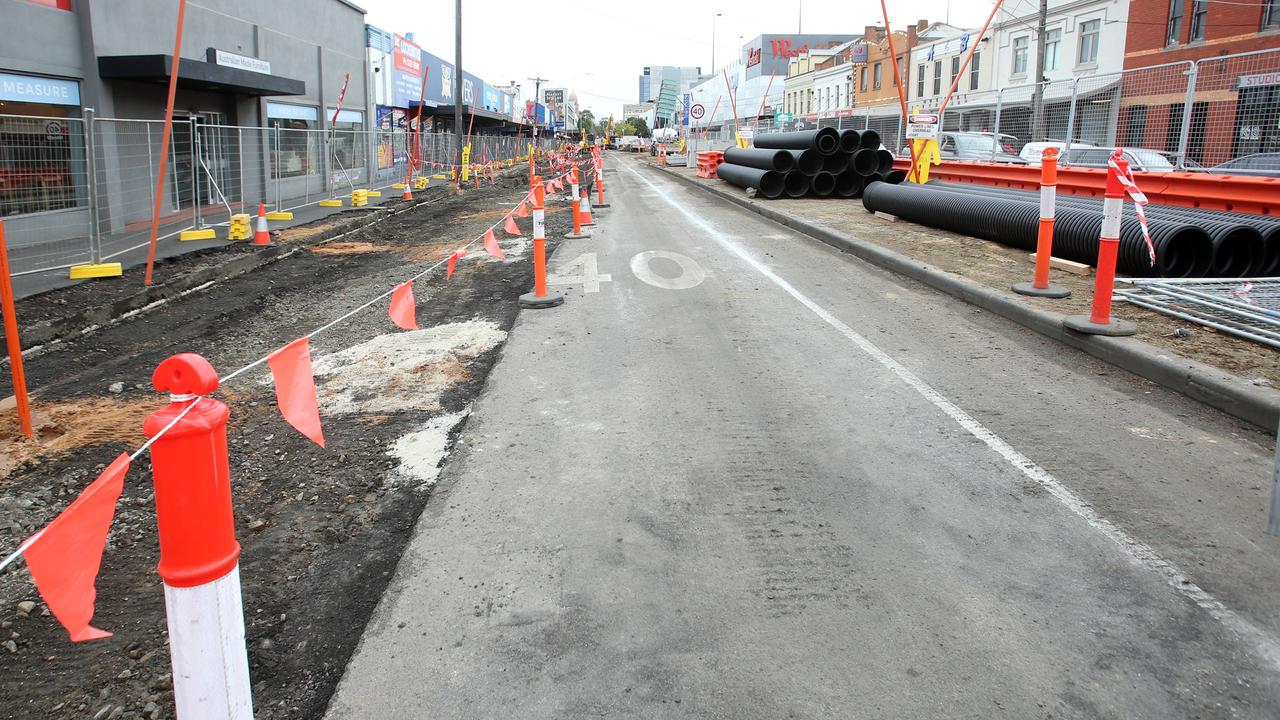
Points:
(741, 475)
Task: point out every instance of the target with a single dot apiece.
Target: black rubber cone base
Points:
(529, 300)
(1053, 291)
(579, 236)
(1115, 328)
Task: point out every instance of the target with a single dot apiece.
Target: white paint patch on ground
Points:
(421, 452)
(514, 248)
(401, 371)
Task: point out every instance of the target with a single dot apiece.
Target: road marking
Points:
(1139, 552)
(589, 279)
(691, 274)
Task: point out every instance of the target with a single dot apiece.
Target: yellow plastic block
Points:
(330, 203)
(420, 183)
(396, 186)
(280, 215)
(359, 198)
(205, 234)
(240, 229)
(374, 193)
(439, 176)
(84, 272)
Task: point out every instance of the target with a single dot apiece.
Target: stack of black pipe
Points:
(824, 162)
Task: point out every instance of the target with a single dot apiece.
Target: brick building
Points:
(1211, 70)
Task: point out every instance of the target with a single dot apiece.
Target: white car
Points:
(1033, 152)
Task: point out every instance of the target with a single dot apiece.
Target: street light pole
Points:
(713, 42)
(457, 83)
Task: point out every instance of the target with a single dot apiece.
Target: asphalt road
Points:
(745, 476)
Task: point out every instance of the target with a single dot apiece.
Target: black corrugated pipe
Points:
(1239, 248)
(895, 177)
(808, 162)
(884, 162)
(823, 184)
(835, 163)
(865, 162)
(779, 160)
(824, 140)
(849, 184)
(1182, 250)
(850, 140)
(796, 184)
(870, 140)
(768, 183)
(1271, 265)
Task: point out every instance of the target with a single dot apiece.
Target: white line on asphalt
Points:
(1138, 551)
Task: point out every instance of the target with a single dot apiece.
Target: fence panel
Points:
(45, 192)
(1235, 113)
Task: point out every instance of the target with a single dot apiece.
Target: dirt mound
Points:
(66, 426)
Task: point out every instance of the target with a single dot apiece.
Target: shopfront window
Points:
(347, 141)
(42, 154)
(298, 150)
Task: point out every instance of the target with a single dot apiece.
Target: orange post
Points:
(11, 339)
(165, 135)
(1099, 320)
(539, 298)
(1040, 286)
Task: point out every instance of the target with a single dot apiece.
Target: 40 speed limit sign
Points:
(697, 111)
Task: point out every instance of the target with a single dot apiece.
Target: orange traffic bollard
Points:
(1099, 321)
(1040, 285)
(539, 298)
(600, 203)
(585, 208)
(199, 554)
(11, 340)
(261, 235)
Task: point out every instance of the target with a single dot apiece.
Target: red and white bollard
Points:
(1040, 285)
(600, 203)
(1099, 320)
(540, 298)
(199, 555)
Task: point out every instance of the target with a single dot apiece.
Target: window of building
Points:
(920, 80)
(1270, 14)
(879, 68)
(902, 71)
(1199, 18)
(1173, 29)
(1089, 32)
(937, 77)
(347, 145)
(1135, 126)
(299, 151)
(974, 64)
(1020, 55)
(1173, 129)
(862, 82)
(955, 68)
(1052, 39)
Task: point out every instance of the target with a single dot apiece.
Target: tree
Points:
(586, 121)
(641, 127)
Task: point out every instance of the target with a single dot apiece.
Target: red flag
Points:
(511, 227)
(296, 388)
(491, 245)
(403, 309)
(522, 211)
(64, 559)
(453, 262)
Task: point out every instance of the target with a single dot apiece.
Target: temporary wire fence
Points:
(1246, 308)
(453, 257)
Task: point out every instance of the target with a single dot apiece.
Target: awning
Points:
(447, 110)
(197, 75)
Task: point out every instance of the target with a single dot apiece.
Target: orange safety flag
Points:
(296, 388)
(522, 211)
(403, 309)
(511, 227)
(453, 262)
(491, 245)
(65, 557)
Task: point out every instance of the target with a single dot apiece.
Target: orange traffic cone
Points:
(261, 235)
(408, 193)
(585, 204)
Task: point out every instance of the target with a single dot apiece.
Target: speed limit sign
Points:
(697, 111)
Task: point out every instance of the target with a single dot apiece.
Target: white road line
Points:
(1139, 552)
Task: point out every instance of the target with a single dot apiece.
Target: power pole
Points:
(1037, 94)
(537, 90)
(457, 85)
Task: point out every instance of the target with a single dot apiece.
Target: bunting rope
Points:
(457, 253)
(1139, 199)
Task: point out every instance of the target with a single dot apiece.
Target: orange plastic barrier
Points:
(708, 162)
(1257, 195)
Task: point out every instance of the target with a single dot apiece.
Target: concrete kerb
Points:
(1215, 388)
(52, 332)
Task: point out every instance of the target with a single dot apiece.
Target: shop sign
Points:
(240, 62)
(25, 88)
(858, 53)
(1261, 80)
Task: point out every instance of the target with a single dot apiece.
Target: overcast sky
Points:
(600, 53)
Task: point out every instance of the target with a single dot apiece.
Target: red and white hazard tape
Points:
(1139, 200)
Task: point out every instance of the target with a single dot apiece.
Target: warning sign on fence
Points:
(923, 126)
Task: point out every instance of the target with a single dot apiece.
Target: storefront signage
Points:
(25, 88)
(858, 53)
(240, 62)
(1262, 80)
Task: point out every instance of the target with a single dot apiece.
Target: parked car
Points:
(978, 146)
(1264, 164)
(1033, 152)
(1140, 159)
